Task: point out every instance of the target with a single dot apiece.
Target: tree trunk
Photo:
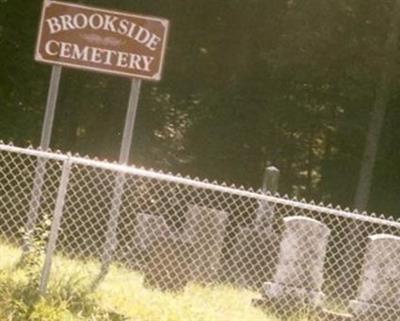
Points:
(378, 112)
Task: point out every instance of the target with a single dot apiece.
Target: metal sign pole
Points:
(130, 121)
(50, 107)
(111, 234)
(45, 139)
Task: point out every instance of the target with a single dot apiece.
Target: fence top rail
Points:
(196, 183)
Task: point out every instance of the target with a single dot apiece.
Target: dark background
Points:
(246, 83)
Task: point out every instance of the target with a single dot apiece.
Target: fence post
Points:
(111, 234)
(34, 202)
(55, 225)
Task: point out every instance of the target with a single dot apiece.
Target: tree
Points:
(378, 111)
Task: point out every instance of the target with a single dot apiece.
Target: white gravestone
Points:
(379, 293)
(205, 229)
(298, 277)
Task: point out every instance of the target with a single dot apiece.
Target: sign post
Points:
(130, 121)
(111, 234)
(105, 41)
(41, 163)
(50, 107)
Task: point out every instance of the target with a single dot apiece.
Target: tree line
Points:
(296, 84)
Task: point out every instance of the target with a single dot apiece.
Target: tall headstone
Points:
(379, 293)
(298, 278)
(205, 229)
(255, 249)
(265, 210)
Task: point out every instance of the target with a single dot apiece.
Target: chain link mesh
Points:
(293, 256)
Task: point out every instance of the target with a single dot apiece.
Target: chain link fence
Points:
(296, 257)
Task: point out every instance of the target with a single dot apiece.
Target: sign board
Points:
(101, 40)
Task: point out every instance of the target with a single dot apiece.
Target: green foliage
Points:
(289, 82)
(32, 260)
(66, 300)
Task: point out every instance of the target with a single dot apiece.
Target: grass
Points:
(121, 296)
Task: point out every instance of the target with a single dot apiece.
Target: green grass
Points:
(121, 296)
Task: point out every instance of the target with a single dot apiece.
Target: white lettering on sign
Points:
(106, 22)
(54, 25)
(98, 55)
(80, 54)
(96, 21)
(48, 47)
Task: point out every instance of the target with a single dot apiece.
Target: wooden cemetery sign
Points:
(101, 40)
(106, 41)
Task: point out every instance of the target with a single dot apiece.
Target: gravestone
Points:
(254, 254)
(298, 278)
(145, 231)
(205, 229)
(379, 293)
(167, 266)
(148, 228)
(265, 210)
(163, 254)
